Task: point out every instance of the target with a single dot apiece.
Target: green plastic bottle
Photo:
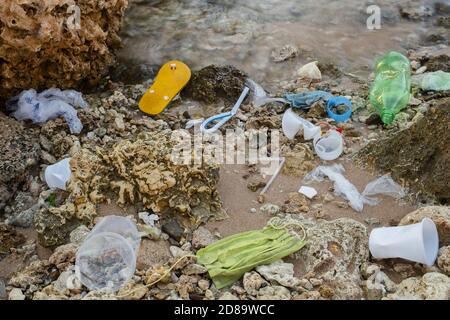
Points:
(391, 90)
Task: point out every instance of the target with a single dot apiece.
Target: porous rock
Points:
(432, 286)
(43, 47)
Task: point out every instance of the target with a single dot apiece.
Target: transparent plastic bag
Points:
(383, 185)
(106, 261)
(342, 187)
(345, 189)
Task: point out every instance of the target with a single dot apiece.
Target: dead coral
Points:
(19, 153)
(418, 154)
(130, 172)
(43, 47)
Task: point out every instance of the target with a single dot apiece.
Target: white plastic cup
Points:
(330, 146)
(57, 175)
(310, 131)
(106, 261)
(416, 242)
(121, 226)
(292, 124)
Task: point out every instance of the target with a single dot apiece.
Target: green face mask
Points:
(228, 259)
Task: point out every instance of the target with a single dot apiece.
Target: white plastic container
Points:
(416, 242)
(57, 175)
(292, 124)
(330, 146)
(107, 259)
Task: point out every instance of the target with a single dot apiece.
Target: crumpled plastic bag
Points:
(304, 100)
(228, 259)
(345, 189)
(47, 105)
(383, 185)
(433, 81)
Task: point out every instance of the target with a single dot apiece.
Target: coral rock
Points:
(43, 47)
(334, 252)
(279, 272)
(432, 286)
(201, 238)
(444, 260)
(19, 154)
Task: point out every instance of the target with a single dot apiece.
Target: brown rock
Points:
(418, 154)
(42, 47)
(19, 153)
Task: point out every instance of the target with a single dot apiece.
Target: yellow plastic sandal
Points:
(171, 78)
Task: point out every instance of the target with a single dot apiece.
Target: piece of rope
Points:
(278, 224)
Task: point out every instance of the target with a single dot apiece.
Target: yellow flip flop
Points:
(171, 78)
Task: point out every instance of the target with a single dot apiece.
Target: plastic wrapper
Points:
(345, 189)
(383, 185)
(47, 105)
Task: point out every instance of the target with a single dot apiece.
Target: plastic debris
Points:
(308, 191)
(383, 185)
(47, 105)
(229, 258)
(305, 100)
(171, 79)
(391, 90)
(149, 218)
(223, 117)
(345, 189)
(335, 102)
(260, 96)
(329, 146)
(433, 81)
(57, 175)
(293, 123)
(106, 260)
(310, 71)
(193, 123)
(275, 175)
(342, 187)
(416, 242)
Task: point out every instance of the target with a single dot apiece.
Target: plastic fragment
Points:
(47, 105)
(433, 81)
(305, 100)
(193, 123)
(149, 218)
(57, 175)
(308, 191)
(345, 189)
(383, 185)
